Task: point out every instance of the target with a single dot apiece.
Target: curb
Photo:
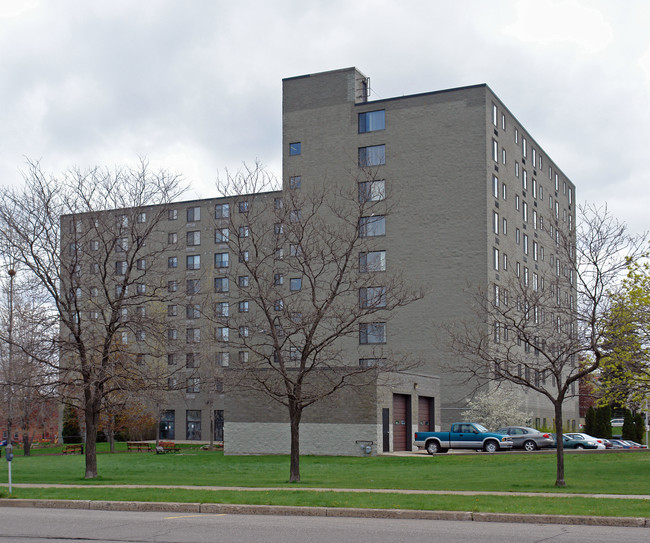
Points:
(235, 509)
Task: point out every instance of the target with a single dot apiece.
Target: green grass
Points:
(500, 504)
(622, 473)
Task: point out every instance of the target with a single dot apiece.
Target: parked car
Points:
(587, 439)
(526, 438)
(616, 422)
(571, 443)
(635, 445)
(619, 444)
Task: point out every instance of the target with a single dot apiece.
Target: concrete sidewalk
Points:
(215, 508)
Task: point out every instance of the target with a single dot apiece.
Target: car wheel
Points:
(530, 445)
(433, 447)
(579, 446)
(491, 446)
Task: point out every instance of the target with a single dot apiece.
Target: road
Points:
(28, 525)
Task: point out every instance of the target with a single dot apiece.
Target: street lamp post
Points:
(9, 448)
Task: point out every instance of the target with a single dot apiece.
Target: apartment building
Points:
(471, 194)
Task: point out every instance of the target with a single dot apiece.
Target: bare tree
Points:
(91, 240)
(308, 281)
(543, 330)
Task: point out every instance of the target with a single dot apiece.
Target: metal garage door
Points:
(426, 422)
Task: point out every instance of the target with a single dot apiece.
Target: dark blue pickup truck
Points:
(463, 435)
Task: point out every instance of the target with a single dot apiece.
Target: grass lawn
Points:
(613, 473)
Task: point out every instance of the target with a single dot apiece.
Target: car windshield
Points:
(481, 428)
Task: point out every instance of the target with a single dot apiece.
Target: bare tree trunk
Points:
(91, 414)
(27, 443)
(111, 435)
(295, 414)
(559, 478)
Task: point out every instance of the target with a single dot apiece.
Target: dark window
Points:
(295, 148)
(295, 283)
(193, 214)
(372, 332)
(374, 155)
(372, 226)
(371, 121)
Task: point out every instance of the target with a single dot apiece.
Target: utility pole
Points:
(12, 273)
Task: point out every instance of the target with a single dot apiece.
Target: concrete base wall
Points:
(315, 438)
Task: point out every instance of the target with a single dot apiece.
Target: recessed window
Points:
(172, 262)
(495, 258)
(193, 286)
(277, 203)
(278, 228)
(278, 279)
(193, 311)
(221, 235)
(141, 288)
(278, 305)
(372, 226)
(221, 211)
(243, 306)
(172, 359)
(495, 222)
(223, 359)
(222, 309)
(193, 262)
(494, 114)
(172, 214)
(374, 155)
(295, 148)
(244, 331)
(120, 267)
(193, 388)
(141, 264)
(371, 121)
(372, 261)
(172, 286)
(295, 283)
(495, 150)
(372, 297)
(94, 244)
(495, 186)
(193, 335)
(172, 238)
(221, 284)
(295, 249)
(524, 180)
(243, 206)
(243, 281)
(172, 310)
(295, 181)
(221, 260)
(295, 216)
(372, 332)
(193, 238)
(122, 245)
(524, 147)
(172, 334)
(372, 191)
(193, 214)
(244, 231)
(142, 217)
(243, 256)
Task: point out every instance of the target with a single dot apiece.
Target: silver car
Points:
(526, 438)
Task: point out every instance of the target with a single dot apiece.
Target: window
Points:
(140, 335)
(193, 387)
(122, 245)
(94, 244)
(503, 121)
(495, 222)
(295, 249)
(534, 188)
(172, 214)
(193, 262)
(193, 238)
(120, 267)
(221, 235)
(516, 168)
(495, 186)
(193, 335)
(222, 333)
(141, 264)
(517, 202)
(517, 236)
(495, 258)
(221, 284)
(172, 310)
(534, 157)
(372, 332)
(372, 226)
(372, 261)
(372, 297)
(295, 216)
(244, 331)
(243, 356)
(243, 306)
(121, 220)
(295, 148)
(372, 191)
(221, 260)
(221, 211)
(294, 354)
(172, 286)
(193, 311)
(503, 155)
(374, 155)
(142, 217)
(221, 309)
(244, 231)
(172, 334)
(495, 115)
(193, 286)
(278, 305)
(243, 256)
(295, 283)
(243, 206)
(505, 227)
(524, 180)
(495, 150)
(295, 182)
(371, 121)
(243, 281)
(525, 243)
(535, 251)
(278, 279)
(525, 211)
(277, 203)
(172, 359)
(524, 147)
(193, 214)
(516, 135)
(172, 238)
(223, 359)
(141, 288)
(172, 262)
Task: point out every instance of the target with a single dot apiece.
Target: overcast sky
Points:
(195, 86)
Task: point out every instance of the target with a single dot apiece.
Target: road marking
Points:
(202, 515)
